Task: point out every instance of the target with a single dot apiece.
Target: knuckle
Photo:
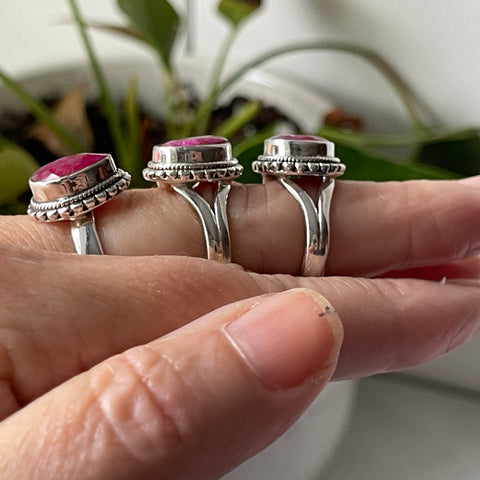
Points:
(144, 401)
(9, 395)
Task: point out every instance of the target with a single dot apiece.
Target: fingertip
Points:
(473, 182)
(289, 338)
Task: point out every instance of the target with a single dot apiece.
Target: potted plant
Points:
(185, 111)
(157, 24)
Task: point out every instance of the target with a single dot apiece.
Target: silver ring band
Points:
(288, 156)
(183, 164)
(70, 188)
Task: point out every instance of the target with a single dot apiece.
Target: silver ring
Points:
(287, 156)
(70, 188)
(183, 164)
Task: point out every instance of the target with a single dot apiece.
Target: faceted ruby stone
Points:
(195, 141)
(300, 137)
(65, 166)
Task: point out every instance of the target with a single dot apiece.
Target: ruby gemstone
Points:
(299, 137)
(196, 141)
(65, 166)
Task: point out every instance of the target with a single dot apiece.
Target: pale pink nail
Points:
(287, 338)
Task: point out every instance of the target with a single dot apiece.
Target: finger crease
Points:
(10, 398)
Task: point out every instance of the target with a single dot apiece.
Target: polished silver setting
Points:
(290, 156)
(192, 163)
(183, 164)
(74, 197)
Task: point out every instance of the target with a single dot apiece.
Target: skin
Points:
(81, 335)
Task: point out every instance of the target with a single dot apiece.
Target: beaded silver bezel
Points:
(71, 207)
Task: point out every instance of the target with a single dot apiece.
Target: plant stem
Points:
(255, 141)
(221, 58)
(178, 119)
(189, 8)
(3, 141)
(245, 114)
(204, 112)
(106, 100)
(43, 114)
(397, 82)
(134, 162)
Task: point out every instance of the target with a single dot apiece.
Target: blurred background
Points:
(420, 424)
(433, 44)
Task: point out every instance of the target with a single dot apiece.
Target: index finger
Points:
(375, 227)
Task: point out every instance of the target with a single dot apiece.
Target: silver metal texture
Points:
(85, 236)
(184, 163)
(75, 195)
(288, 156)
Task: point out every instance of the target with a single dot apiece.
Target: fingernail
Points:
(288, 337)
(471, 181)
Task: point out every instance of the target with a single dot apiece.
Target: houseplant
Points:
(157, 24)
(184, 120)
(331, 411)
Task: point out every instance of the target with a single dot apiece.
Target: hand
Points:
(78, 312)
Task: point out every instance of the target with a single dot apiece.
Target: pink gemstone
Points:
(195, 141)
(299, 137)
(65, 166)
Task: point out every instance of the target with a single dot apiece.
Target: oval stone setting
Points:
(196, 141)
(299, 146)
(66, 166)
(300, 137)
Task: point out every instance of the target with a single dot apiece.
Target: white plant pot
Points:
(303, 451)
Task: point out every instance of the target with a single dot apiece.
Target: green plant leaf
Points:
(363, 166)
(16, 166)
(42, 113)
(121, 30)
(385, 68)
(237, 10)
(134, 162)
(13, 208)
(360, 165)
(460, 154)
(106, 98)
(3, 141)
(156, 21)
(245, 114)
(71, 112)
(248, 150)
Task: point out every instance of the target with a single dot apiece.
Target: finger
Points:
(121, 302)
(398, 226)
(375, 227)
(394, 324)
(468, 268)
(192, 405)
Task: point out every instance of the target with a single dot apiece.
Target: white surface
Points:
(433, 43)
(405, 431)
(460, 367)
(304, 450)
